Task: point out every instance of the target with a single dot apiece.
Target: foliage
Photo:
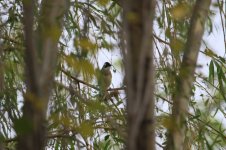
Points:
(76, 118)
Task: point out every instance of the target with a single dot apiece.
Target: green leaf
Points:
(211, 72)
(107, 145)
(221, 77)
(106, 137)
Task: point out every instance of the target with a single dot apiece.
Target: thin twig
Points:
(88, 84)
(160, 40)
(78, 80)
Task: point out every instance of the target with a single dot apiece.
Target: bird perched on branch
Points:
(104, 78)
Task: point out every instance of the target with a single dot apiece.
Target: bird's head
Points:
(106, 65)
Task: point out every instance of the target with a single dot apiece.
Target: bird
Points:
(104, 79)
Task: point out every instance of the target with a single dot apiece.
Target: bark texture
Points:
(40, 61)
(138, 54)
(186, 76)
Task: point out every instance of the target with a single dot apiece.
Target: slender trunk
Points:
(40, 61)
(138, 55)
(186, 76)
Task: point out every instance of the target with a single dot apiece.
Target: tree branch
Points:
(88, 84)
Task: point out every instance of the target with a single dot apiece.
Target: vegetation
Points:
(163, 96)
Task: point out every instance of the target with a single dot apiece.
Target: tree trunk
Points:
(176, 136)
(40, 61)
(138, 55)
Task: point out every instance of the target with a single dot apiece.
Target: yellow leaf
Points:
(86, 129)
(65, 121)
(167, 122)
(83, 66)
(103, 2)
(180, 11)
(86, 45)
(177, 46)
(95, 107)
(87, 69)
(209, 52)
